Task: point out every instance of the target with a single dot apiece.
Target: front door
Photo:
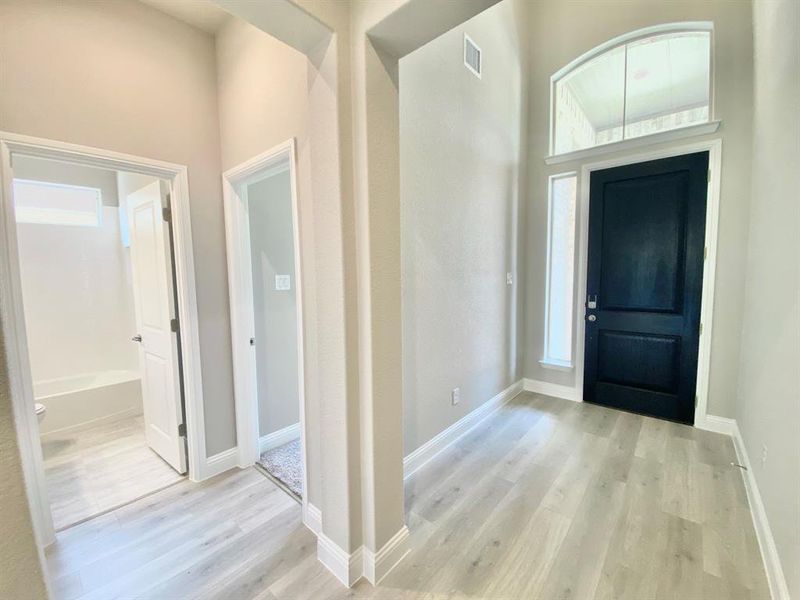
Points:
(644, 283)
(158, 343)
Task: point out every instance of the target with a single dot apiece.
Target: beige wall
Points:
(21, 573)
(460, 158)
(125, 77)
(263, 92)
(376, 161)
(768, 399)
(567, 29)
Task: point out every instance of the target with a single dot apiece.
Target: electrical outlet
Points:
(509, 279)
(455, 396)
(763, 454)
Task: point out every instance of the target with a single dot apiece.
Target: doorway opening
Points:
(650, 225)
(261, 216)
(101, 327)
(97, 277)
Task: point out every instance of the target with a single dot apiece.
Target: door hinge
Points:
(708, 176)
(166, 213)
(701, 329)
(705, 252)
(695, 401)
(173, 325)
(182, 430)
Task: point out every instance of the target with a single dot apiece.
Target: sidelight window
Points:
(559, 294)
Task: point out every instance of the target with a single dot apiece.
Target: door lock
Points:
(591, 301)
(136, 338)
(591, 318)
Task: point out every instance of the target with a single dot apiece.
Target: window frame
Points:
(622, 40)
(548, 361)
(98, 209)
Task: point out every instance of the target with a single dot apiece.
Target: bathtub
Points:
(80, 399)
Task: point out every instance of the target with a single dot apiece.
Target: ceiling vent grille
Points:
(473, 57)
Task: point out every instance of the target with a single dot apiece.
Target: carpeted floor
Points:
(285, 463)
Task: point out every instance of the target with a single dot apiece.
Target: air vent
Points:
(472, 56)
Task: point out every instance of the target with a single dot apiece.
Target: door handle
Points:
(591, 318)
(136, 338)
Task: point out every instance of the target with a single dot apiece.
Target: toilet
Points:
(40, 410)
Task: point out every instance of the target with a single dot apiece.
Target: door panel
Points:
(642, 245)
(634, 359)
(645, 271)
(158, 347)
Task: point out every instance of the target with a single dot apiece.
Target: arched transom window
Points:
(644, 82)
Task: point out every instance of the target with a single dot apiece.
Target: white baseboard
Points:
(769, 552)
(219, 463)
(716, 424)
(278, 438)
(422, 455)
(556, 390)
(312, 518)
(378, 565)
(348, 568)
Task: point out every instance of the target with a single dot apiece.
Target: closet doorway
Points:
(261, 218)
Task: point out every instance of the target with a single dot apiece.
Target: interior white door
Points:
(158, 345)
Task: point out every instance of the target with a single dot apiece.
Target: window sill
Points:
(556, 365)
(645, 140)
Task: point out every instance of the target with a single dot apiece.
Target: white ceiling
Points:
(202, 14)
(664, 74)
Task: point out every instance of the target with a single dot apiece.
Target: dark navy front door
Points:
(645, 275)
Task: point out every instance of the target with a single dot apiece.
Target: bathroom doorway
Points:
(98, 293)
(174, 230)
(265, 284)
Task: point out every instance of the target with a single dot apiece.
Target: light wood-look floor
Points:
(546, 499)
(100, 467)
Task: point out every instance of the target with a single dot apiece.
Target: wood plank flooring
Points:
(546, 499)
(99, 467)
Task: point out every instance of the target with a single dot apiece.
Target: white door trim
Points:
(714, 149)
(240, 285)
(12, 311)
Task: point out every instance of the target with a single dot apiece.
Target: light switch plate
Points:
(509, 279)
(283, 283)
